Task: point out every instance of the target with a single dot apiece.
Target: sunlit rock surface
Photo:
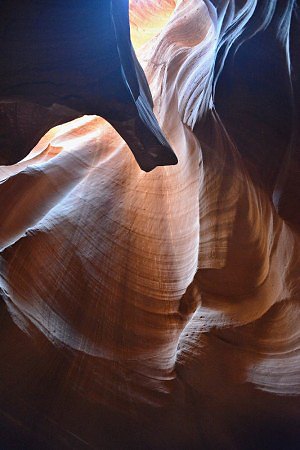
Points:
(156, 310)
(148, 18)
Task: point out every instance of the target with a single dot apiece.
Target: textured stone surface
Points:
(159, 310)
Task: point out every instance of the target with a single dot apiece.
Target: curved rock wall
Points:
(155, 310)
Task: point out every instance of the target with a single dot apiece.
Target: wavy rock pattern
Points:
(155, 310)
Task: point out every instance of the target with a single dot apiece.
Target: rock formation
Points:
(74, 58)
(161, 310)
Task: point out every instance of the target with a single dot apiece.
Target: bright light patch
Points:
(148, 18)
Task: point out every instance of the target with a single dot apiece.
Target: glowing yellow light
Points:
(148, 18)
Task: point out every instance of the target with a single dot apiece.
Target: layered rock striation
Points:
(161, 309)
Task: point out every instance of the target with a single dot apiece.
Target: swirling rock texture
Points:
(161, 310)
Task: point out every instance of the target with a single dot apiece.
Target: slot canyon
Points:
(150, 220)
